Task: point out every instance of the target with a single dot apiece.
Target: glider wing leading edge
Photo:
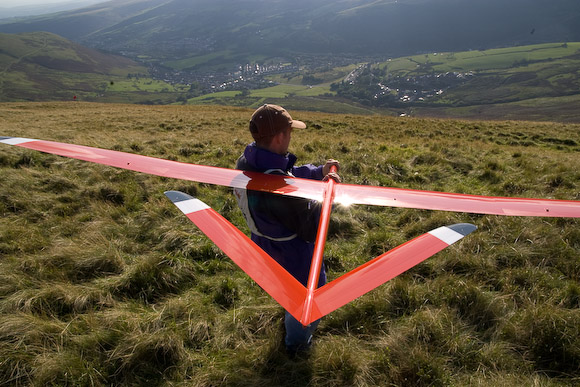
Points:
(305, 188)
(444, 201)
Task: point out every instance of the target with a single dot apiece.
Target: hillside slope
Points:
(499, 83)
(44, 66)
(103, 282)
(78, 23)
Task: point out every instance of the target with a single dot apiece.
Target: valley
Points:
(414, 57)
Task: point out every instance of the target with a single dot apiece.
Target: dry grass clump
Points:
(104, 282)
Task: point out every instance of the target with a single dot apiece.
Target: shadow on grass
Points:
(281, 369)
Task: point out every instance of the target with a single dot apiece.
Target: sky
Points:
(17, 3)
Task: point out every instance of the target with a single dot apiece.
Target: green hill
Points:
(79, 23)
(46, 67)
(104, 282)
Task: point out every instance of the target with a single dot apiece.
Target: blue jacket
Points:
(285, 227)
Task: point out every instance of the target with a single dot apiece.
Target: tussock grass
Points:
(104, 282)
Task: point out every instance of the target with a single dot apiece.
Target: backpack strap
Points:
(242, 198)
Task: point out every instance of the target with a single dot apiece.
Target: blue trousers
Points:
(298, 337)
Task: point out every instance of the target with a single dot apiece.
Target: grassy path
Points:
(18, 60)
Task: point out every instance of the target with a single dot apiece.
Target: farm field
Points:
(500, 58)
(104, 282)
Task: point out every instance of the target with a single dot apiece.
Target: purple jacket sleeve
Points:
(308, 171)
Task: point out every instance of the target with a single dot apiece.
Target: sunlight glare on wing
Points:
(345, 200)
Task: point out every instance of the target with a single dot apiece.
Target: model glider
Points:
(305, 188)
(309, 303)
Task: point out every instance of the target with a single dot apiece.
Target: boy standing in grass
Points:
(284, 227)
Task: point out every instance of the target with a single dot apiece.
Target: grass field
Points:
(144, 85)
(278, 92)
(103, 282)
(493, 59)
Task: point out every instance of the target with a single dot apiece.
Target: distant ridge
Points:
(78, 24)
(173, 29)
